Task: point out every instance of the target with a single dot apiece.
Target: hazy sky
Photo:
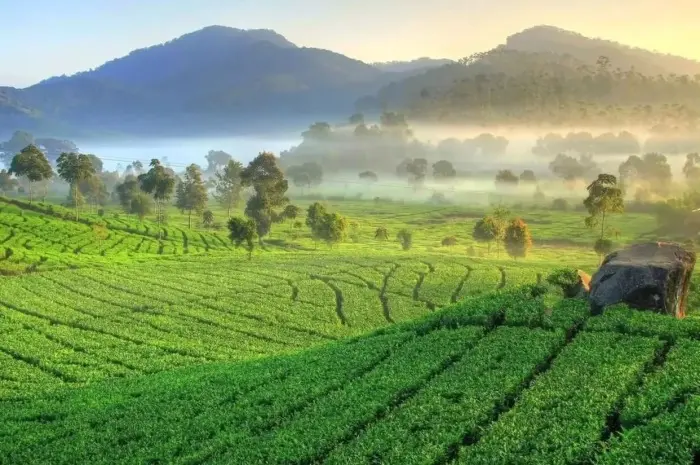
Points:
(51, 37)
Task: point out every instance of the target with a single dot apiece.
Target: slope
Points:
(495, 379)
(205, 77)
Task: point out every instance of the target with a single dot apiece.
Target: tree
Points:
(140, 204)
(381, 234)
(74, 168)
(417, 170)
(517, 239)
(314, 219)
(160, 184)
(94, 190)
(369, 176)
(306, 175)
(127, 191)
(7, 182)
(138, 167)
(506, 177)
(18, 142)
(603, 247)
(443, 169)
(449, 241)
(228, 186)
(332, 228)
(208, 219)
(96, 163)
(604, 198)
(31, 163)
(652, 170)
(291, 212)
(242, 232)
(405, 237)
(569, 168)
(267, 180)
(691, 170)
(357, 119)
(528, 176)
(486, 230)
(216, 160)
(191, 193)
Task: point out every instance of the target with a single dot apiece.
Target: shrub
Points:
(565, 278)
(8, 253)
(603, 246)
(449, 241)
(101, 212)
(406, 238)
(381, 234)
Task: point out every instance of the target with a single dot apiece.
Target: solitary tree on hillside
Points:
(604, 198)
(517, 239)
(228, 185)
(267, 180)
(32, 164)
(207, 218)
(242, 232)
(159, 183)
(191, 193)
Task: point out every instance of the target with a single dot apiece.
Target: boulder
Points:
(651, 276)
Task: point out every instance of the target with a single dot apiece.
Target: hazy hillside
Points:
(588, 50)
(210, 75)
(558, 46)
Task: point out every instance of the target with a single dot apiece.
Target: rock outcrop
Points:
(652, 276)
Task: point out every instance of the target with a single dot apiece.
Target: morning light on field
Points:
(350, 233)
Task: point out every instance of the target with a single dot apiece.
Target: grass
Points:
(179, 349)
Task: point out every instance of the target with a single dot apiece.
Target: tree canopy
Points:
(32, 164)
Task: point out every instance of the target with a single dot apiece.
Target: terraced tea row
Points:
(472, 384)
(83, 325)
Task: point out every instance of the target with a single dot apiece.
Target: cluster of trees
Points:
(514, 86)
(51, 148)
(326, 226)
(514, 234)
(508, 178)
(359, 146)
(585, 143)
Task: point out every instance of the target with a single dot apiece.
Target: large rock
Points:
(652, 276)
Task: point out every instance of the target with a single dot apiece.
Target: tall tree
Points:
(228, 185)
(443, 169)
(191, 193)
(159, 183)
(242, 232)
(74, 168)
(127, 191)
(291, 212)
(94, 189)
(31, 163)
(267, 180)
(486, 230)
(604, 198)
(314, 219)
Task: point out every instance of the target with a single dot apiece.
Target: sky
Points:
(45, 38)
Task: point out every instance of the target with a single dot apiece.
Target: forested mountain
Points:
(550, 75)
(214, 76)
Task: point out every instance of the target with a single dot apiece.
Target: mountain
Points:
(553, 45)
(414, 66)
(212, 79)
(560, 41)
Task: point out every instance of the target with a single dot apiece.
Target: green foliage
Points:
(603, 246)
(218, 160)
(381, 234)
(517, 239)
(307, 175)
(560, 205)
(488, 229)
(267, 180)
(159, 183)
(228, 185)
(242, 231)
(140, 205)
(31, 163)
(208, 218)
(7, 182)
(567, 279)
(405, 237)
(604, 198)
(449, 241)
(191, 193)
(570, 168)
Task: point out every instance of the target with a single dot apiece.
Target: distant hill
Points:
(413, 66)
(588, 50)
(212, 77)
(554, 45)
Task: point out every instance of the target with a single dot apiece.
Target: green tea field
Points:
(127, 347)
